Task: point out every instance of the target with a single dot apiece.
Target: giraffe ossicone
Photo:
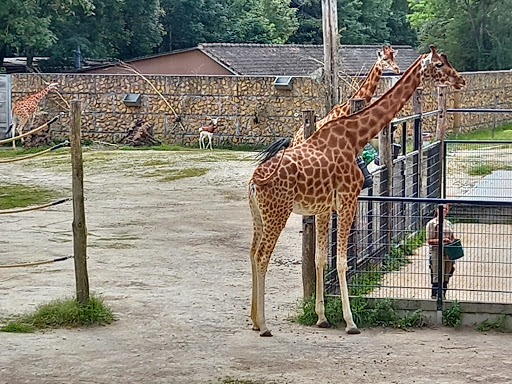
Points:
(320, 176)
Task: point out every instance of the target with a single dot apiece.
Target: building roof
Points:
(297, 59)
(279, 59)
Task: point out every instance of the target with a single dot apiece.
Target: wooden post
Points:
(441, 117)
(440, 135)
(457, 115)
(308, 226)
(494, 116)
(79, 227)
(331, 51)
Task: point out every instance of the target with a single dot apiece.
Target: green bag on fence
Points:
(454, 250)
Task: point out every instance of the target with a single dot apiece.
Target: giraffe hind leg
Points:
(272, 225)
(345, 219)
(256, 238)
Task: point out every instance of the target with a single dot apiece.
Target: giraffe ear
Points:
(379, 53)
(395, 52)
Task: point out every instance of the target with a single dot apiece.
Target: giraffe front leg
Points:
(345, 219)
(322, 228)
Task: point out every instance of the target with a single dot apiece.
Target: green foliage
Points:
(498, 324)
(26, 24)
(452, 316)
(474, 34)
(383, 314)
(65, 313)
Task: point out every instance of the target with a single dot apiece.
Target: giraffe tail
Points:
(273, 149)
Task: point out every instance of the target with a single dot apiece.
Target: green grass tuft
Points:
(382, 314)
(14, 327)
(67, 313)
(452, 316)
(497, 324)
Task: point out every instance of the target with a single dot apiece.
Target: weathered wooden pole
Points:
(457, 115)
(308, 226)
(440, 135)
(79, 227)
(331, 51)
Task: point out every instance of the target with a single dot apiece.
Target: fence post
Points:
(386, 188)
(457, 115)
(308, 226)
(440, 135)
(79, 227)
(440, 277)
(417, 109)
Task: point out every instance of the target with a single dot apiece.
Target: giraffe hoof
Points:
(266, 333)
(255, 328)
(353, 330)
(323, 324)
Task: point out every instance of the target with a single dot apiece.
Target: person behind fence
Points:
(448, 266)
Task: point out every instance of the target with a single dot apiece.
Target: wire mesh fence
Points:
(478, 169)
(389, 255)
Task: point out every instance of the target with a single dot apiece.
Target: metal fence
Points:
(393, 260)
(478, 169)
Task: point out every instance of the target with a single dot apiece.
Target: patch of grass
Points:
(229, 380)
(487, 169)
(162, 147)
(14, 327)
(498, 324)
(365, 281)
(176, 174)
(382, 314)
(452, 316)
(503, 132)
(64, 313)
(20, 196)
(155, 162)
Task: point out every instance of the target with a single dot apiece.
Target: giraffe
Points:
(320, 176)
(385, 59)
(24, 109)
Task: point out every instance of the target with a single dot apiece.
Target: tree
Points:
(474, 33)
(26, 24)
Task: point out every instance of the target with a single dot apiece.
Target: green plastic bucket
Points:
(454, 250)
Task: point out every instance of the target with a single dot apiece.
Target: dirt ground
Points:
(171, 259)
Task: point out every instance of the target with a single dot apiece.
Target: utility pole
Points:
(331, 51)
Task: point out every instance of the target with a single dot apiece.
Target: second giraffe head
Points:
(387, 57)
(436, 67)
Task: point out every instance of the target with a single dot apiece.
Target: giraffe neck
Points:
(37, 96)
(354, 131)
(369, 85)
(365, 91)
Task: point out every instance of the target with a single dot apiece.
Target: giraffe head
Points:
(386, 58)
(436, 67)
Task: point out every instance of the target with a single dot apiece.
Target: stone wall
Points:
(250, 109)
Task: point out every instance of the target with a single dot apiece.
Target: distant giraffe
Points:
(321, 175)
(24, 109)
(385, 59)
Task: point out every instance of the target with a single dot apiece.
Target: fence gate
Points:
(5, 104)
